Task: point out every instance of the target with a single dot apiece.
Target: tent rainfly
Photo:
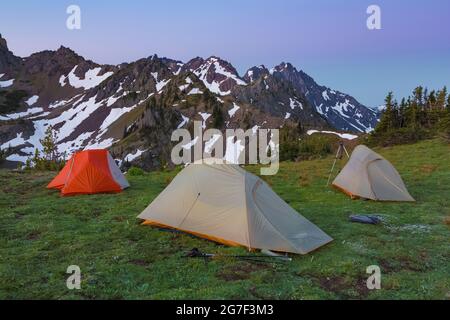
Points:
(368, 175)
(89, 172)
(226, 204)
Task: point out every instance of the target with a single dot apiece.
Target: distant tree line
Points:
(420, 116)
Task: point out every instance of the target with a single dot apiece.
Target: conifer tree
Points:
(440, 99)
(388, 117)
(50, 148)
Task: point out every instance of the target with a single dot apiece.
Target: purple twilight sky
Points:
(328, 39)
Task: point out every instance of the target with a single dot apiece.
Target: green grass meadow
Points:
(42, 233)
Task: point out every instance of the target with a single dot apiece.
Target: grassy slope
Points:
(42, 234)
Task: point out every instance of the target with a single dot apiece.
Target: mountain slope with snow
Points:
(132, 108)
(341, 110)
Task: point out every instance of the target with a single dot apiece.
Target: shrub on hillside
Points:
(11, 100)
(444, 128)
(135, 171)
(398, 136)
(316, 146)
(294, 146)
(2, 155)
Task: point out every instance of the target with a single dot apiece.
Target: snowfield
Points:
(91, 78)
(346, 136)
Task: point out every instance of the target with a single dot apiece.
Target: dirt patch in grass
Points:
(96, 212)
(19, 215)
(240, 271)
(120, 218)
(404, 263)
(428, 168)
(33, 235)
(139, 262)
(254, 292)
(342, 287)
(447, 220)
(304, 180)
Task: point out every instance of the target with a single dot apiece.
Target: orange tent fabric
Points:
(60, 180)
(89, 172)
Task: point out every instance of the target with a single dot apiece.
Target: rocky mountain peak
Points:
(3, 43)
(284, 67)
(8, 61)
(218, 75)
(255, 73)
(65, 51)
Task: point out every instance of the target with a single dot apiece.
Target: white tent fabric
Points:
(368, 175)
(116, 173)
(225, 203)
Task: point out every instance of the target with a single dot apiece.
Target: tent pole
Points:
(338, 156)
(332, 168)
(334, 163)
(345, 149)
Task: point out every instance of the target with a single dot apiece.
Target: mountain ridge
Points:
(91, 105)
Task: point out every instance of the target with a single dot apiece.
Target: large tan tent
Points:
(368, 175)
(227, 204)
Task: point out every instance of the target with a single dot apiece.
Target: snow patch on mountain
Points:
(293, 103)
(113, 115)
(32, 100)
(74, 116)
(233, 110)
(213, 65)
(60, 103)
(100, 144)
(205, 117)
(131, 156)
(19, 115)
(188, 82)
(91, 78)
(195, 91)
(6, 83)
(184, 121)
(346, 136)
(160, 84)
(70, 147)
(210, 143)
(17, 141)
(17, 158)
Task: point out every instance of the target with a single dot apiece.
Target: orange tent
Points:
(88, 172)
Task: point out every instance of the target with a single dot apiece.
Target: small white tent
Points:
(368, 175)
(227, 204)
